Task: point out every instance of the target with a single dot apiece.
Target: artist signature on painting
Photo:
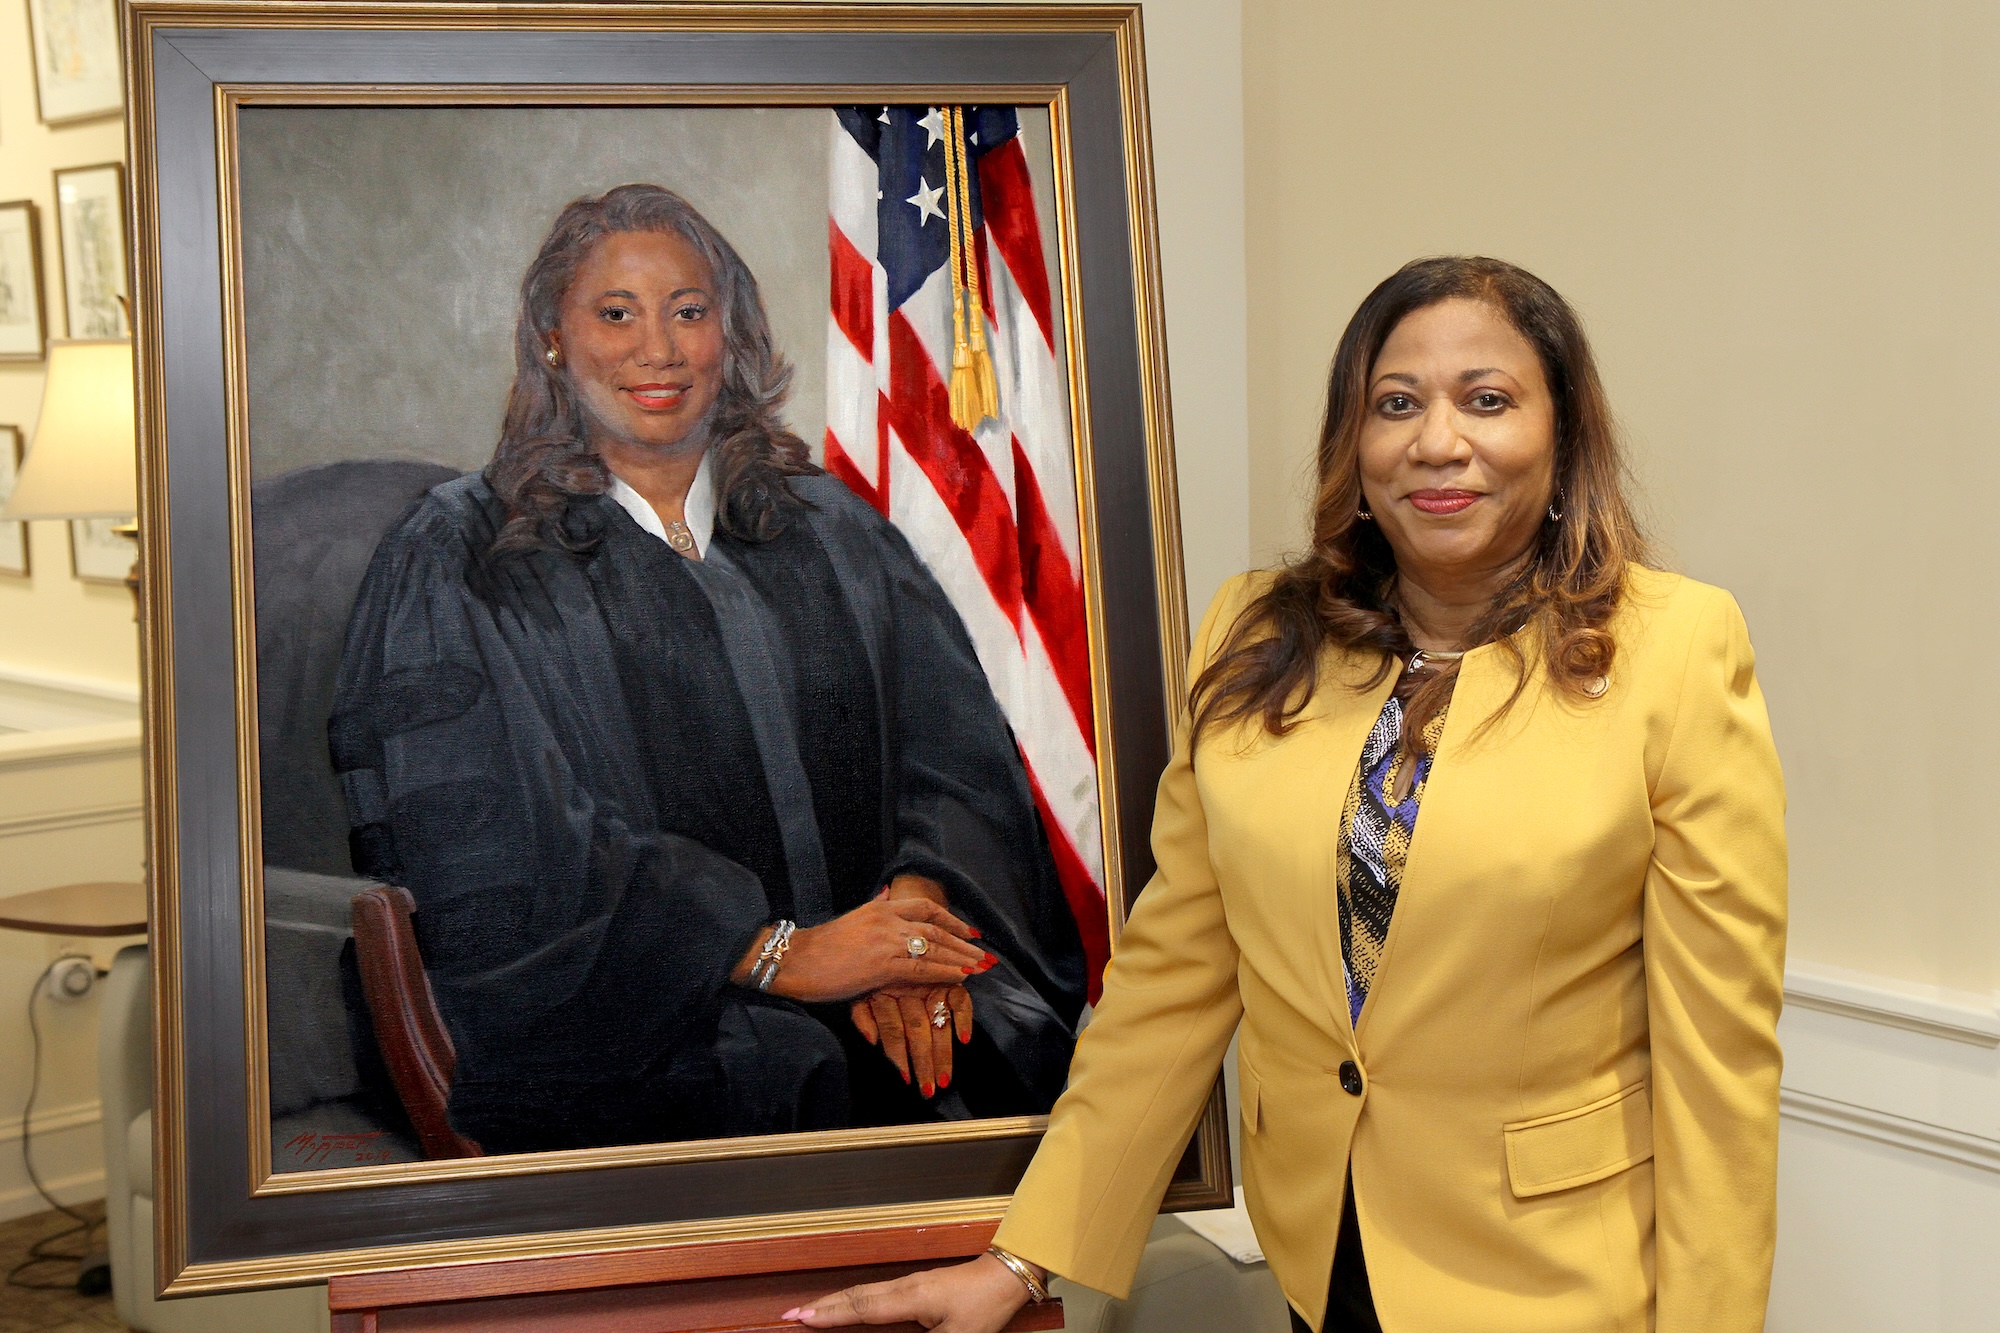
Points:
(356, 1149)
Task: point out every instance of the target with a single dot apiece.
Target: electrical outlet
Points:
(71, 979)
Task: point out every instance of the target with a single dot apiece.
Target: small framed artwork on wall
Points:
(23, 311)
(97, 552)
(78, 75)
(13, 533)
(90, 213)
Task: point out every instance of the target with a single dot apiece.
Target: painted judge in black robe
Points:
(604, 769)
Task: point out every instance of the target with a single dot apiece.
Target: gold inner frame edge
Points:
(229, 100)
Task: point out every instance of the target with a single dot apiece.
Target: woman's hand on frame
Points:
(870, 947)
(976, 1297)
(904, 1022)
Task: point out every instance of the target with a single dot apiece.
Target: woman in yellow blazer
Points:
(1477, 829)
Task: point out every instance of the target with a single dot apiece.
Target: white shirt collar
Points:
(699, 507)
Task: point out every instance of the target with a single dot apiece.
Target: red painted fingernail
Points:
(944, 1080)
(975, 932)
(905, 1073)
(970, 970)
(929, 1091)
(991, 960)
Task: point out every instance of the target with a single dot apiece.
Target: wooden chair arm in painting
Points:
(408, 1028)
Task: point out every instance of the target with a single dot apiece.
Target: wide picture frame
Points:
(241, 353)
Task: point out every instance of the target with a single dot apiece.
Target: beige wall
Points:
(1194, 57)
(50, 622)
(1781, 222)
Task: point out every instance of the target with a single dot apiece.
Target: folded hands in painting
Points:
(908, 941)
(915, 1027)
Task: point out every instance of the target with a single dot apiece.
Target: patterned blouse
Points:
(1374, 843)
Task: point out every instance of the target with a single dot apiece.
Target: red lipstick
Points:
(657, 397)
(1442, 502)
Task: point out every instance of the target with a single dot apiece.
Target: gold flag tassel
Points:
(964, 383)
(982, 361)
(975, 393)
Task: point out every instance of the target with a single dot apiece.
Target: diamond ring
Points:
(919, 946)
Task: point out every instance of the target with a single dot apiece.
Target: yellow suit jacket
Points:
(1569, 1104)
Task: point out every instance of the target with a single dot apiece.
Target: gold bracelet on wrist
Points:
(1038, 1290)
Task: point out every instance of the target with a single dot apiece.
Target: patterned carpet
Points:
(58, 1311)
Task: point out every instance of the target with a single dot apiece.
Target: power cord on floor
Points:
(41, 1252)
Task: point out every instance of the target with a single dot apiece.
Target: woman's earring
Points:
(1555, 509)
(1363, 514)
(555, 357)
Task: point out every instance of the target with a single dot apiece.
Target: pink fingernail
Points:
(792, 1313)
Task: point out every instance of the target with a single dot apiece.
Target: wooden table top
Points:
(78, 909)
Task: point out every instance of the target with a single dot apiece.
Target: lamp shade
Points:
(83, 462)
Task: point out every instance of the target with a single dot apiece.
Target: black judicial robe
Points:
(601, 774)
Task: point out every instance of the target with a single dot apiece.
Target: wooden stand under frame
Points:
(729, 1287)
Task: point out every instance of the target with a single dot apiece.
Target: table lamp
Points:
(83, 461)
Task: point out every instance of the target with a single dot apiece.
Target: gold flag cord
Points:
(975, 391)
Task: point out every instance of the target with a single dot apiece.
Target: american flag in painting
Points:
(991, 509)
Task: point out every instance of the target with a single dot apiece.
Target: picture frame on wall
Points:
(78, 74)
(96, 266)
(940, 558)
(98, 553)
(14, 553)
(24, 323)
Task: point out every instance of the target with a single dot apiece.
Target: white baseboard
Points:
(59, 821)
(69, 1157)
(1894, 1130)
(1910, 1066)
(80, 1115)
(70, 745)
(1888, 1157)
(94, 687)
(77, 1188)
(1931, 1010)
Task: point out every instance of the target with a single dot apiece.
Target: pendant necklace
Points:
(679, 537)
(1423, 657)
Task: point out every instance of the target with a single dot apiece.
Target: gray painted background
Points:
(383, 250)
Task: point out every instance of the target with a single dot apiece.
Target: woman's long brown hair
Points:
(1341, 592)
(544, 460)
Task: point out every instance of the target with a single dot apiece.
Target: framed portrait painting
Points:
(13, 532)
(666, 617)
(23, 310)
(90, 221)
(77, 71)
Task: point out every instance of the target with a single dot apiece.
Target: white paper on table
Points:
(1228, 1230)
